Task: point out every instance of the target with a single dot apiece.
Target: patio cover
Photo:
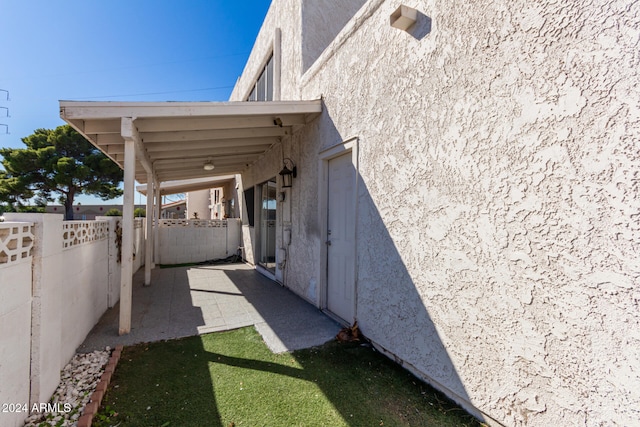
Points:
(175, 139)
(155, 142)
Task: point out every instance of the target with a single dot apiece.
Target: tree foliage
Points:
(57, 162)
(113, 212)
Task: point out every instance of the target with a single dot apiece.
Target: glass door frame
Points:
(267, 208)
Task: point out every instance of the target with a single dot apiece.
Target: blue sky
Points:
(117, 50)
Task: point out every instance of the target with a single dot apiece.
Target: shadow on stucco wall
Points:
(391, 309)
(392, 301)
(422, 27)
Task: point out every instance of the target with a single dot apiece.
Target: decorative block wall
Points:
(76, 233)
(16, 242)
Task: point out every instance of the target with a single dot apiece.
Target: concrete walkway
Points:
(188, 301)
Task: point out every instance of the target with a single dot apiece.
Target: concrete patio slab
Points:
(188, 301)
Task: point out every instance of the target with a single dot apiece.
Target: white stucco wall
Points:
(15, 323)
(497, 217)
(320, 22)
(187, 241)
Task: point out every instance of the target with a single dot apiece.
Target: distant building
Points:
(174, 210)
(217, 202)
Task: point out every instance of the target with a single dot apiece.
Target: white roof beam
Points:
(183, 154)
(217, 123)
(222, 143)
(107, 138)
(101, 126)
(102, 110)
(211, 135)
(114, 149)
(197, 173)
(178, 164)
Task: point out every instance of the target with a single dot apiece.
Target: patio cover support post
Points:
(148, 248)
(158, 211)
(126, 269)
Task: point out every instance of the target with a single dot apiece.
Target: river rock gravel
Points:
(78, 380)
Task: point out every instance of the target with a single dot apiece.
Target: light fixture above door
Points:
(288, 174)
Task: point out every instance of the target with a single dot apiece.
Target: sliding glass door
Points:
(268, 204)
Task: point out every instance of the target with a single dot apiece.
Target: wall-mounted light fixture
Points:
(288, 172)
(208, 166)
(404, 17)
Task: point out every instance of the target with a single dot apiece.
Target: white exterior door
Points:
(341, 237)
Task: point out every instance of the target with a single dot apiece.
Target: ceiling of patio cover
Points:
(178, 138)
(186, 185)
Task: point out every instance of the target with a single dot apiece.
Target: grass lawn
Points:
(232, 379)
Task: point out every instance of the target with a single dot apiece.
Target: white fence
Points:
(16, 247)
(56, 280)
(193, 240)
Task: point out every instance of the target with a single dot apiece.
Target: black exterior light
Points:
(288, 174)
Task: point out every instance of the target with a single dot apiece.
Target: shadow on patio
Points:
(188, 301)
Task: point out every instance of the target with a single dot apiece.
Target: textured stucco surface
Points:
(498, 214)
(321, 21)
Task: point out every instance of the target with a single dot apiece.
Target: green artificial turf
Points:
(232, 379)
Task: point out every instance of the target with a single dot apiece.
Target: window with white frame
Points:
(263, 88)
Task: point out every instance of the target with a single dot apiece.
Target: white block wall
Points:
(139, 228)
(83, 293)
(67, 284)
(15, 326)
(186, 241)
(113, 289)
(139, 239)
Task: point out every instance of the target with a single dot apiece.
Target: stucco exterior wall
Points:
(498, 209)
(286, 16)
(321, 21)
